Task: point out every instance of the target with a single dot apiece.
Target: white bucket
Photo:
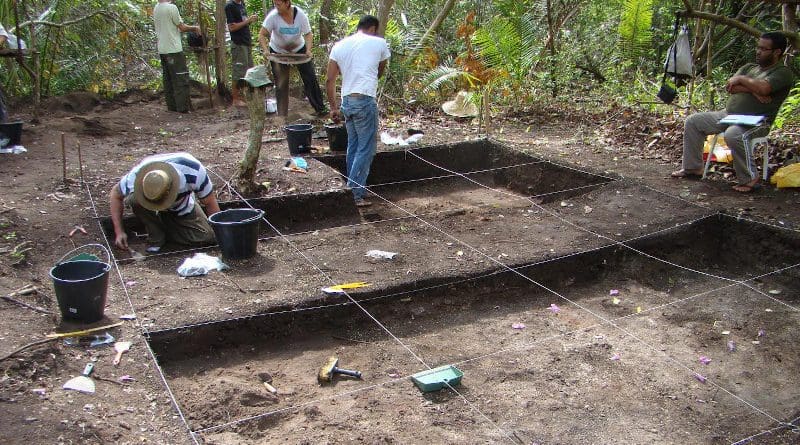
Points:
(271, 105)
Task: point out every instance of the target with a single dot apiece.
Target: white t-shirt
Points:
(283, 37)
(167, 18)
(358, 57)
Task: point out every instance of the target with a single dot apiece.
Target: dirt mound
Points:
(78, 102)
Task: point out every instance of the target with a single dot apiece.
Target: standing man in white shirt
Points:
(361, 59)
(169, 27)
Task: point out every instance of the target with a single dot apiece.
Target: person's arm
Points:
(309, 42)
(234, 26)
(263, 40)
(330, 89)
(210, 203)
(116, 204)
(381, 68)
(745, 84)
(183, 27)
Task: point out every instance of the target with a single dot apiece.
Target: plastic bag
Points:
(200, 264)
(787, 176)
(721, 151)
(679, 56)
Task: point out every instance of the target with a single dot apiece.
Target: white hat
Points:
(461, 106)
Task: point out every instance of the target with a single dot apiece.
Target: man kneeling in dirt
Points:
(756, 89)
(161, 192)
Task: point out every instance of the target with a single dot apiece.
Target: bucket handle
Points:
(108, 254)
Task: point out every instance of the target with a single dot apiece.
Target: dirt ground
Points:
(599, 369)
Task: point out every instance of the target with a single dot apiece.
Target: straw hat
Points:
(257, 76)
(156, 186)
(461, 106)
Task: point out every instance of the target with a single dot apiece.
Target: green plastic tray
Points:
(437, 378)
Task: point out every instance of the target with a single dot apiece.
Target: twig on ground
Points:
(29, 345)
(24, 290)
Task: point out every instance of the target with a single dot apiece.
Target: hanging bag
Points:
(678, 63)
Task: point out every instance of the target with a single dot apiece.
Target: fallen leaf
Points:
(615, 300)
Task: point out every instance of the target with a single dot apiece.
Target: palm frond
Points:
(634, 27)
(445, 75)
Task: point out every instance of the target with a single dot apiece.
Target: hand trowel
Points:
(82, 383)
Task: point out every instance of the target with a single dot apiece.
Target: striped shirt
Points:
(193, 178)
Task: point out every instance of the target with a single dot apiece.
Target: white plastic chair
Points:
(751, 141)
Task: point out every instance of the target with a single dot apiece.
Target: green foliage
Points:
(790, 110)
(509, 45)
(634, 27)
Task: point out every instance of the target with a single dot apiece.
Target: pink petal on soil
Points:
(731, 346)
(126, 379)
(699, 378)
(761, 333)
(615, 357)
(554, 309)
(518, 326)
(613, 292)
(704, 360)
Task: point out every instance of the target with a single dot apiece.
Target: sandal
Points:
(750, 187)
(686, 174)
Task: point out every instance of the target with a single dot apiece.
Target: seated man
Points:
(160, 190)
(756, 89)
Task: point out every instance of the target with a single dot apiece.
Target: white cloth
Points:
(11, 40)
(166, 19)
(283, 37)
(358, 57)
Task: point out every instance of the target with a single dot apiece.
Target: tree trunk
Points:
(325, 22)
(384, 7)
(437, 22)
(220, 53)
(247, 168)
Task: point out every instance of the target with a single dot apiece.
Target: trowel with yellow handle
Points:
(341, 288)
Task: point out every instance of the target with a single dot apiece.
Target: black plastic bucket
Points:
(299, 138)
(237, 232)
(11, 131)
(337, 137)
(81, 288)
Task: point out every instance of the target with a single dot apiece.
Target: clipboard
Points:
(742, 119)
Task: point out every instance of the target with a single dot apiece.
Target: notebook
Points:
(742, 119)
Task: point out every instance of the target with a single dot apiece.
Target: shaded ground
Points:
(39, 210)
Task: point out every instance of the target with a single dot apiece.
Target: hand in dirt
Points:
(121, 240)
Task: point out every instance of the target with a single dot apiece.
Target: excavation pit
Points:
(437, 179)
(536, 341)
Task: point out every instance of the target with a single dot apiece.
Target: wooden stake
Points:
(80, 161)
(63, 157)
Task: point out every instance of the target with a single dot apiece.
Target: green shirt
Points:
(167, 18)
(780, 78)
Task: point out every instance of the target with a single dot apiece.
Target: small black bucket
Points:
(81, 287)
(12, 131)
(337, 137)
(299, 138)
(237, 232)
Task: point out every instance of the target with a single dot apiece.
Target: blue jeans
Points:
(361, 119)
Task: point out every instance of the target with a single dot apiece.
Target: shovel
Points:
(120, 347)
(82, 383)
